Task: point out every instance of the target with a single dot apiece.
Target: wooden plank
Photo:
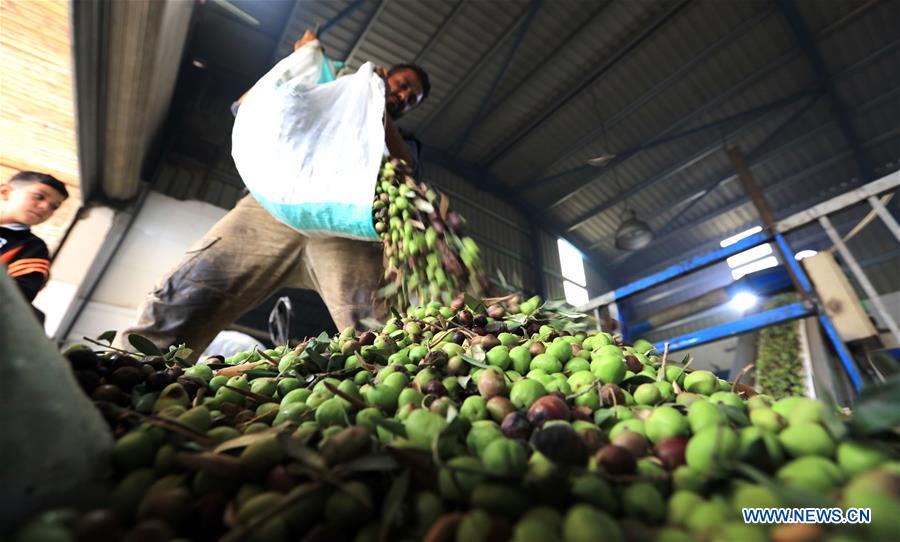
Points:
(838, 297)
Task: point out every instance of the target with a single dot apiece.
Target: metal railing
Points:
(818, 213)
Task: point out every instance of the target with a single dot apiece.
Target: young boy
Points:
(28, 199)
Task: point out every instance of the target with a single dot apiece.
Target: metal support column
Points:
(839, 347)
(885, 216)
(795, 270)
(860, 275)
(765, 212)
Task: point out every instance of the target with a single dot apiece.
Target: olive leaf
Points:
(474, 305)
(736, 415)
(424, 206)
(315, 358)
(299, 451)
(392, 426)
(477, 352)
(603, 415)
(444, 206)
(876, 409)
(380, 462)
(452, 413)
(259, 373)
(557, 325)
(246, 440)
(393, 502)
(473, 361)
(566, 313)
(143, 345)
(335, 362)
(387, 291)
(396, 313)
(636, 380)
(457, 426)
(516, 321)
(182, 352)
(107, 336)
(375, 353)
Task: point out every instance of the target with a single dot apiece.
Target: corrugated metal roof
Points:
(668, 66)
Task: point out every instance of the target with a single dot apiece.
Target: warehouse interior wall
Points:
(162, 230)
(166, 226)
(552, 271)
(73, 263)
(500, 230)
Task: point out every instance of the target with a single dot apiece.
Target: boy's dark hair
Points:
(420, 73)
(28, 177)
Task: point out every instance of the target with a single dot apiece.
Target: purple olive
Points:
(516, 425)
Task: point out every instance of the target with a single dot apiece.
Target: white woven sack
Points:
(310, 151)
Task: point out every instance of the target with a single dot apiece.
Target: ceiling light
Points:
(804, 254)
(633, 233)
(743, 301)
(199, 63)
(602, 160)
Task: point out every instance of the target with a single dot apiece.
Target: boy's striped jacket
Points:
(26, 258)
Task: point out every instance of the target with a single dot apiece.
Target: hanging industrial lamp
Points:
(633, 233)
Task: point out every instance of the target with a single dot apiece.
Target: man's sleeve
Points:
(31, 270)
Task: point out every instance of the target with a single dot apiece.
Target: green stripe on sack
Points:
(341, 219)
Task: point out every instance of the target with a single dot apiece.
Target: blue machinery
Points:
(781, 314)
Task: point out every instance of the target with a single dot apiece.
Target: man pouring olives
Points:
(248, 255)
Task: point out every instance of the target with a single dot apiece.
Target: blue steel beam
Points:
(510, 54)
(738, 327)
(754, 158)
(783, 183)
(364, 31)
(787, 182)
(836, 341)
(343, 14)
(694, 199)
(742, 28)
(474, 72)
(710, 149)
(687, 266)
(753, 114)
(448, 21)
(742, 85)
(579, 87)
(808, 45)
(551, 56)
(763, 145)
(697, 113)
(805, 241)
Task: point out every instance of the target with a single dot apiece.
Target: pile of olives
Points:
(426, 256)
(496, 420)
